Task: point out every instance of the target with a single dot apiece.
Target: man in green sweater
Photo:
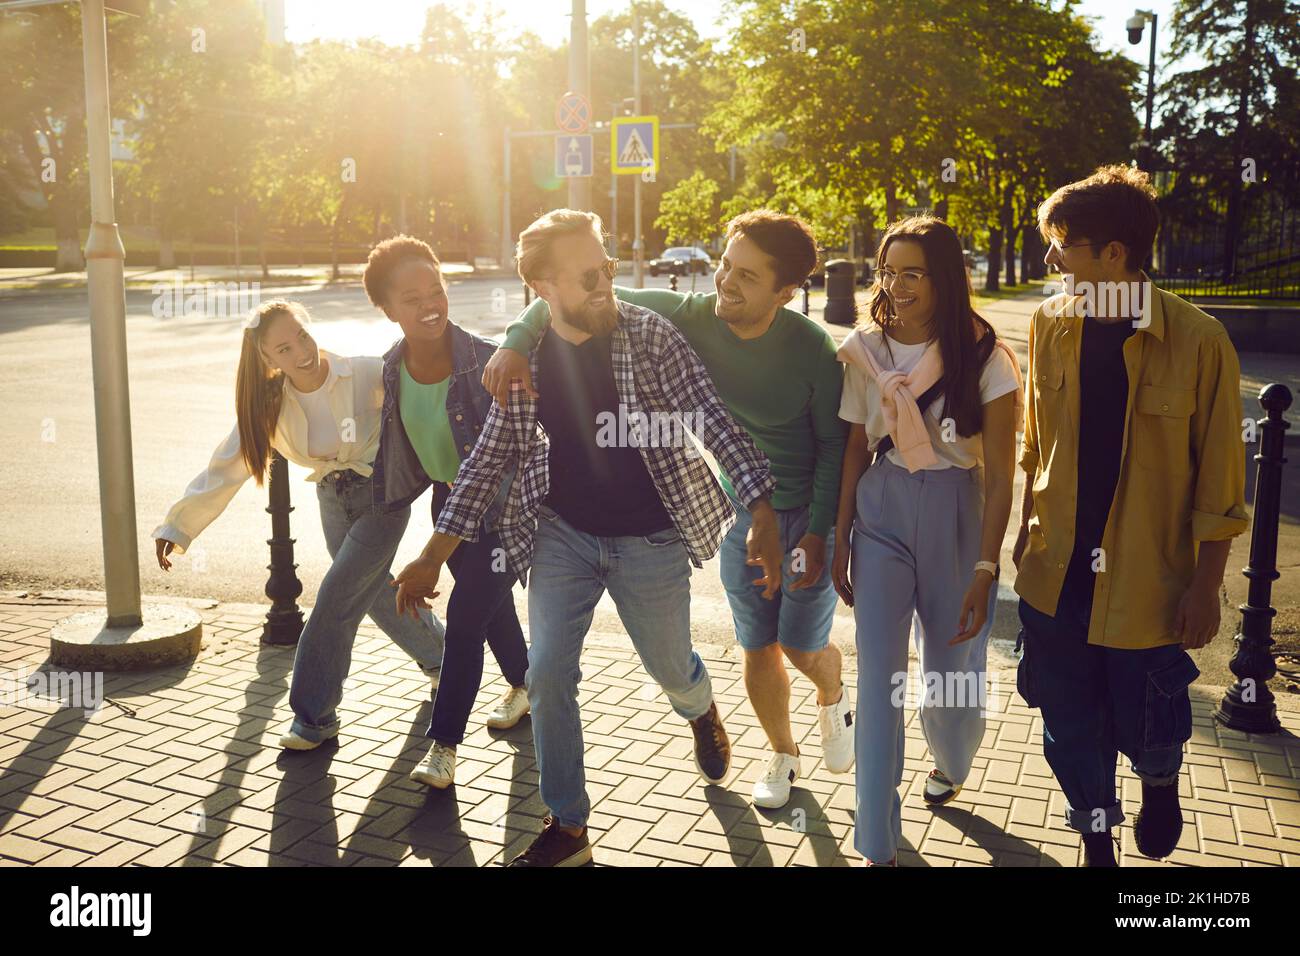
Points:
(777, 373)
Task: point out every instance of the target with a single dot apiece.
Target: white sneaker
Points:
(836, 723)
(294, 741)
(509, 710)
(438, 769)
(939, 789)
(772, 789)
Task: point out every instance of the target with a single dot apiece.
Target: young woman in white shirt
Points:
(320, 411)
(927, 517)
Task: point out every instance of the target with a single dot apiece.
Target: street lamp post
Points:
(105, 281)
(1134, 25)
(130, 635)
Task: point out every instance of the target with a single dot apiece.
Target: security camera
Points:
(1134, 25)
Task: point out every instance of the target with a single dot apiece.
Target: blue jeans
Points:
(481, 608)
(649, 579)
(801, 620)
(362, 542)
(1098, 702)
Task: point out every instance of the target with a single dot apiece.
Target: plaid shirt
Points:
(655, 371)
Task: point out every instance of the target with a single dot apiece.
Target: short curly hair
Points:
(1115, 204)
(386, 257)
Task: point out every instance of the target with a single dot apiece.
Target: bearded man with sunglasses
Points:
(585, 514)
(777, 372)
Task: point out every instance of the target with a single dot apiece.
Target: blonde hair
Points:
(259, 388)
(533, 251)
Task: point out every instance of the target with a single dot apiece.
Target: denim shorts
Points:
(800, 620)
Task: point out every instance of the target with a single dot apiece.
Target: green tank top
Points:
(424, 415)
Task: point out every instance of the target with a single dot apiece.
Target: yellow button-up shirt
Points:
(1182, 465)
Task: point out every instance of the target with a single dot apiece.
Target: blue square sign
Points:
(572, 155)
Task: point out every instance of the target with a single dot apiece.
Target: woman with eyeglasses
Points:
(320, 411)
(933, 398)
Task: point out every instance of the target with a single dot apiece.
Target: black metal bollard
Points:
(528, 295)
(807, 287)
(672, 281)
(1248, 705)
(284, 620)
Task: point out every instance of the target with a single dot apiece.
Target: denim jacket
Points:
(399, 477)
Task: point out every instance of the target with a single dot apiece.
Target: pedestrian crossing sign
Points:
(634, 144)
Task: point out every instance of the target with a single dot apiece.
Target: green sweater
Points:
(783, 387)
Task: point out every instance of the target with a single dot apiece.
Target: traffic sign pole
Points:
(580, 83)
(638, 251)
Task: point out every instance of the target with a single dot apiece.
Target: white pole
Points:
(106, 284)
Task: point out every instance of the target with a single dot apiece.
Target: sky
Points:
(400, 21)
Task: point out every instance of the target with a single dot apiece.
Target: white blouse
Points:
(355, 390)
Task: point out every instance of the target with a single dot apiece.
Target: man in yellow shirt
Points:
(1134, 488)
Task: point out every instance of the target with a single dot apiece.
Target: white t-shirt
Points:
(322, 429)
(860, 401)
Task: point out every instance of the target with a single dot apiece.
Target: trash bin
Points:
(841, 309)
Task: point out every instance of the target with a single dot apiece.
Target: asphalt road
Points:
(182, 404)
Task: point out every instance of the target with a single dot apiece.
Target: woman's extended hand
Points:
(974, 607)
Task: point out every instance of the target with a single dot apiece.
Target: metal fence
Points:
(1199, 252)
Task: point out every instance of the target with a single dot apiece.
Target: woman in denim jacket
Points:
(434, 408)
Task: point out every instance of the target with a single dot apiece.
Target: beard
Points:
(598, 321)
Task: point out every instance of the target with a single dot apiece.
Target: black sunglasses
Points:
(591, 278)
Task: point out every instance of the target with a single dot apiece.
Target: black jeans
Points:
(1097, 701)
(481, 608)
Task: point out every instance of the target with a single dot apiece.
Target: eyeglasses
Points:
(1061, 247)
(591, 278)
(908, 280)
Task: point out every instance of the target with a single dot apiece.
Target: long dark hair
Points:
(955, 321)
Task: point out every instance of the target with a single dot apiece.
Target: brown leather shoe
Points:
(712, 748)
(554, 847)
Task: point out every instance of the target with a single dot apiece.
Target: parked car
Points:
(682, 260)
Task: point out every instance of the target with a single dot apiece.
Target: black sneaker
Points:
(1098, 849)
(1159, 823)
(554, 847)
(712, 748)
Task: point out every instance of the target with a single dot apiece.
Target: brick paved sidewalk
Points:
(182, 769)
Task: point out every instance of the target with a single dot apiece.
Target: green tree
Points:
(44, 110)
(688, 212)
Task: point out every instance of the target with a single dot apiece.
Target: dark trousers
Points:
(1098, 702)
(481, 608)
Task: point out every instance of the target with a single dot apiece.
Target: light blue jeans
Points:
(649, 579)
(362, 541)
(916, 538)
